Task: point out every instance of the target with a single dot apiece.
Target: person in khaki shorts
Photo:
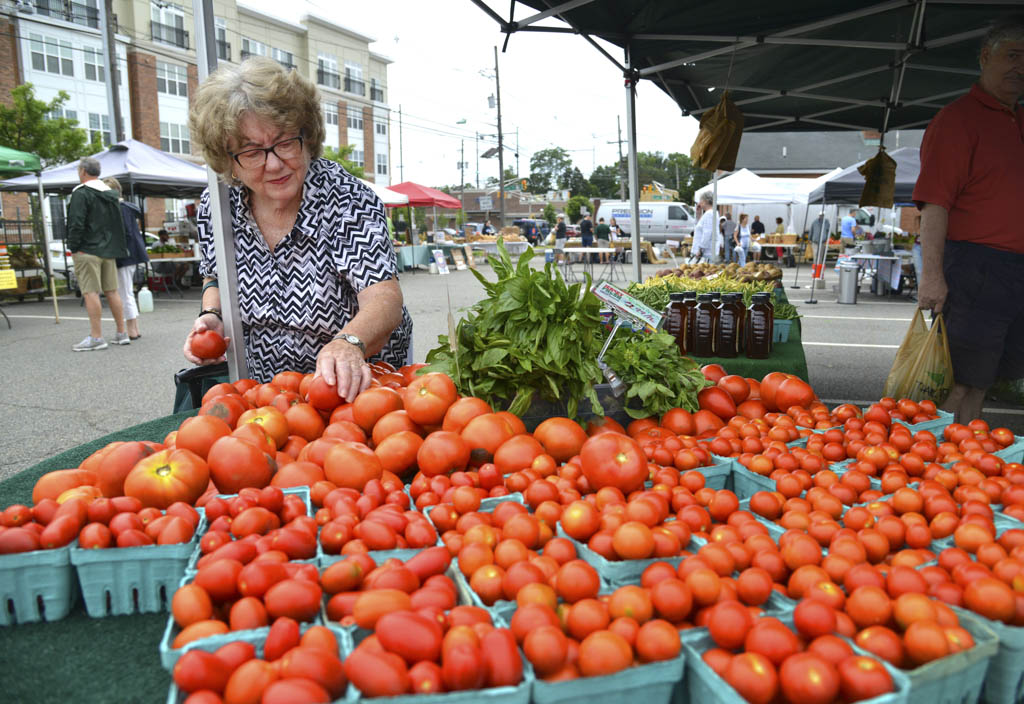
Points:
(96, 239)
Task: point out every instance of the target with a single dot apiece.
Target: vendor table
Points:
(884, 269)
(786, 357)
(412, 256)
(611, 268)
(82, 659)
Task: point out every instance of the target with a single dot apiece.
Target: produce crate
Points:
(169, 655)
(780, 330)
(620, 572)
(1013, 453)
(1004, 681)
(120, 581)
(520, 694)
(959, 678)
(651, 684)
(301, 491)
(934, 426)
(704, 686)
(176, 696)
(36, 586)
(746, 483)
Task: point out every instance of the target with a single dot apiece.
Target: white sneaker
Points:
(121, 338)
(90, 344)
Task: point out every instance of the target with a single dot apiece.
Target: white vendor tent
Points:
(386, 194)
(744, 186)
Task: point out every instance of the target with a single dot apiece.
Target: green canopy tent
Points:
(801, 65)
(14, 163)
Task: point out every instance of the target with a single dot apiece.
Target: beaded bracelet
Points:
(214, 311)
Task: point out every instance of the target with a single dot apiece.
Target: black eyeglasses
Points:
(255, 158)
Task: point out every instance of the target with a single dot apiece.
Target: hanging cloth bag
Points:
(718, 140)
(879, 174)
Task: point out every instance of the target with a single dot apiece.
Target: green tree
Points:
(604, 182)
(549, 213)
(26, 125)
(574, 180)
(574, 207)
(546, 166)
(341, 156)
(510, 175)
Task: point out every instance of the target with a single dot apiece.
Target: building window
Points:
(167, 24)
(174, 138)
(330, 114)
(62, 113)
(171, 79)
(357, 157)
(354, 79)
(380, 128)
(221, 32)
(93, 64)
(327, 71)
(251, 47)
(99, 125)
(382, 164)
(51, 55)
(284, 58)
(83, 12)
(355, 118)
(376, 91)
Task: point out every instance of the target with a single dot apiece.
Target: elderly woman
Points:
(317, 286)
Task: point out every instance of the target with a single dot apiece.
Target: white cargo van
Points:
(659, 220)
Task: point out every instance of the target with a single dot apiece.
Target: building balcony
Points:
(69, 12)
(288, 65)
(223, 50)
(168, 34)
(355, 86)
(377, 95)
(328, 78)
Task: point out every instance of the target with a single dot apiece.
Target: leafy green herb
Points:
(532, 336)
(656, 375)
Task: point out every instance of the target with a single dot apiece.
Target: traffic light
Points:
(523, 184)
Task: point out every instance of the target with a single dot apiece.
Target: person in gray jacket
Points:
(96, 240)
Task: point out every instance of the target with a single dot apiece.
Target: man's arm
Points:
(931, 293)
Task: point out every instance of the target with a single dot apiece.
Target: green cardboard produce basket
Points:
(959, 678)
(120, 581)
(36, 586)
(1004, 681)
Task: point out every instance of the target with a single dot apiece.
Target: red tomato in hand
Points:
(208, 344)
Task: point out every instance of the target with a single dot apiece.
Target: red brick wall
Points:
(10, 77)
(142, 96)
(342, 123)
(369, 160)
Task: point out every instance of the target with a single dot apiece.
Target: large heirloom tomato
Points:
(429, 397)
(236, 464)
(166, 477)
(611, 459)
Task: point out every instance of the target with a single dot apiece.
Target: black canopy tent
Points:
(799, 65)
(846, 186)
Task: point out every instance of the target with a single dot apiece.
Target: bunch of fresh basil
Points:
(532, 336)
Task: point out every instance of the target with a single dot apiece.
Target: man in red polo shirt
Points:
(970, 191)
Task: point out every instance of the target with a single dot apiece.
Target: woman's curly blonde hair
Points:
(261, 87)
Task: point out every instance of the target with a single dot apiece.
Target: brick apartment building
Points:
(56, 45)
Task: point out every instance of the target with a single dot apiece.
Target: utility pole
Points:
(622, 176)
(501, 149)
(110, 55)
(517, 152)
(401, 159)
(677, 176)
(478, 161)
(462, 169)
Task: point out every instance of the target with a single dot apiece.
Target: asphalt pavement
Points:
(57, 399)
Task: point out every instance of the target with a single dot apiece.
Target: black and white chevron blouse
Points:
(294, 300)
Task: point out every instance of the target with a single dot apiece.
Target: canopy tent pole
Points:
(796, 274)
(220, 213)
(819, 259)
(714, 212)
(631, 77)
(46, 250)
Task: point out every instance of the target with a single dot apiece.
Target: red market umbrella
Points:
(423, 196)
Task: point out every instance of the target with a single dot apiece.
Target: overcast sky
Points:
(556, 89)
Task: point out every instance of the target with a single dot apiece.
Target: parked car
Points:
(530, 229)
